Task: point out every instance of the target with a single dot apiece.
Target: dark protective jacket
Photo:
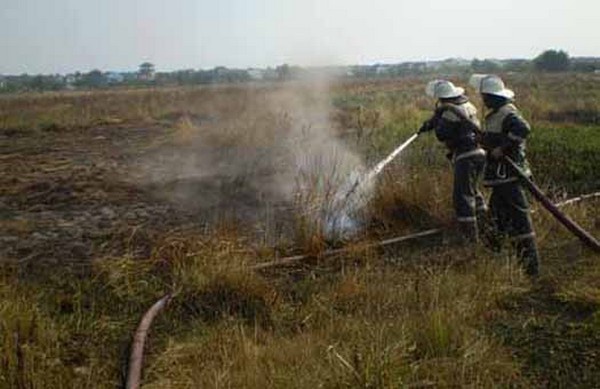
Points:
(505, 128)
(456, 125)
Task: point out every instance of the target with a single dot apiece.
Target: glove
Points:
(426, 126)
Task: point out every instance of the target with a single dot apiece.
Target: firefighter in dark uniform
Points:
(455, 124)
(505, 134)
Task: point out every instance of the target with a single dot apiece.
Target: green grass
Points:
(566, 156)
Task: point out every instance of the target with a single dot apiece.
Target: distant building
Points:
(2, 82)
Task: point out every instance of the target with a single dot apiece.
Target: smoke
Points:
(250, 151)
(324, 168)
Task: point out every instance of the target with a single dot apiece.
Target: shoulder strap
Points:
(459, 112)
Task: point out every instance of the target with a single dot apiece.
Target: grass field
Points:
(111, 199)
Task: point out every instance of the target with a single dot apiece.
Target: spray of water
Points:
(343, 217)
(352, 196)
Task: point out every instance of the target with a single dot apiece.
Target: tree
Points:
(283, 72)
(45, 82)
(93, 79)
(146, 71)
(552, 61)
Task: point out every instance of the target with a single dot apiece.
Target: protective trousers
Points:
(468, 200)
(510, 210)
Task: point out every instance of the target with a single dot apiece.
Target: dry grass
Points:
(377, 326)
(422, 315)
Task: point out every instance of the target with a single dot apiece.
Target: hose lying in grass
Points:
(136, 358)
(291, 260)
(577, 199)
(137, 349)
(328, 253)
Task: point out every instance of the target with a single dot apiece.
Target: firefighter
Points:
(455, 123)
(505, 134)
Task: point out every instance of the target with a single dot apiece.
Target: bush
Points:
(552, 61)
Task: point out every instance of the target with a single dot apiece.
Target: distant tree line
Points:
(146, 75)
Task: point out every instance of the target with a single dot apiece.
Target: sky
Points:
(59, 36)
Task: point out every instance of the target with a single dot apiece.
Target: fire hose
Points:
(136, 359)
(566, 221)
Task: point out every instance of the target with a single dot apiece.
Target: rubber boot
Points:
(468, 232)
(527, 252)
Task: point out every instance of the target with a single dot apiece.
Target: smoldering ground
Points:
(263, 156)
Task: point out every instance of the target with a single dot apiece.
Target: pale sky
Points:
(48, 36)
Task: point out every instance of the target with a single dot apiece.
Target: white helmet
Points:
(442, 89)
(490, 84)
